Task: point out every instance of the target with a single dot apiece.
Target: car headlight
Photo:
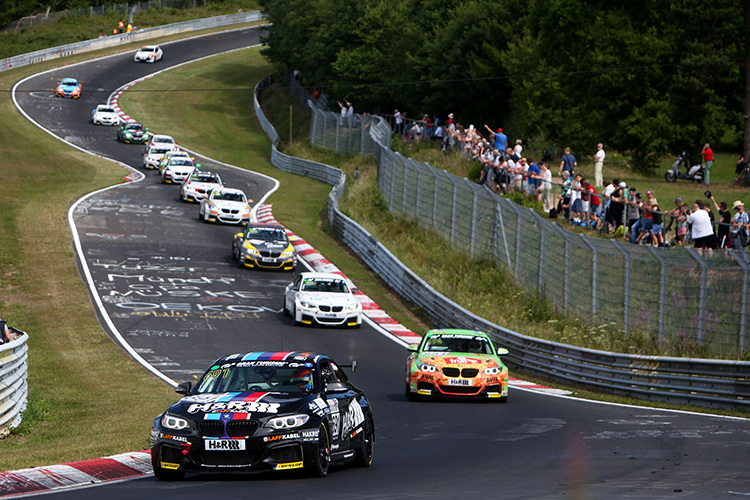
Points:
(246, 209)
(426, 368)
(250, 248)
(288, 422)
(351, 307)
(172, 422)
(288, 253)
(495, 370)
(308, 305)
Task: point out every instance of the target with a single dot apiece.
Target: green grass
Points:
(76, 29)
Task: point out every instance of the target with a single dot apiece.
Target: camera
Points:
(708, 194)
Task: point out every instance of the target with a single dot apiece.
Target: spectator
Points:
(738, 232)
(725, 220)
(4, 332)
(120, 26)
(565, 189)
(708, 161)
(399, 121)
(518, 149)
(449, 142)
(702, 232)
(295, 74)
(533, 172)
(568, 163)
(598, 165)
(682, 225)
(438, 135)
(594, 204)
(647, 223)
(344, 110)
(741, 165)
(584, 198)
(616, 206)
(130, 28)
(575, 200)
(546, 187)
(657, 239)
(636, 216)
(499, 140)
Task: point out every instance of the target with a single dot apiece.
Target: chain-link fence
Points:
(347, 134)
(683, 294)
(46, 18)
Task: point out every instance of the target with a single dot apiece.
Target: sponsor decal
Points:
(234, 406)
(289, 465)
(318, 407)
(463, 360)
(353, 417)
(333, 406)
(172, 437)
(281, 437)
(170, 465)
(224, 444)
(311, 435)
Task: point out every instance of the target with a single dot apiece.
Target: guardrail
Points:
(114, 40)
(699, 382)
(14, 388)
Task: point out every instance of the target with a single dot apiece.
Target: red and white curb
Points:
(100, 470)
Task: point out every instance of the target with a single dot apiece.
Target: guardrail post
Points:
(626, 306)
(594, 273)
(662, 292)
(704, 279)
(739, 257)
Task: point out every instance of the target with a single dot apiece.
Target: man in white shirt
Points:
(702, 232)
(598, 165)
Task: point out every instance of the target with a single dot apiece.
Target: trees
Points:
(646, 76)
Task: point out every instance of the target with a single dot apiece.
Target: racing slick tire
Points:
(294, 315)
(410, 395)
(240, 260)
(365, 451)
(283, 308)
(322, 459)
(162, 473)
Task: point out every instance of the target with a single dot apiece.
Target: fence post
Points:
(435, 200)
(404, 194)
(626, 311)
(473, 216)
(325, 128)
(499, 221)
(739, 257)
(662, 292)
(594, 273)
(419, 192)
(338, 128)
(455, 212)
(542, 258)
(518, 245)
(704, 279)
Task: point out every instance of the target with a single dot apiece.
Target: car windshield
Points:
(180, 162)
(106, 109)
(204, 177)
(258, 376)
(148, 49)
(228, 196)
(159, 150)
(266, 234)
(135, 127)
(166, 140)
(324, 285)
(458, 343)
(69, 81)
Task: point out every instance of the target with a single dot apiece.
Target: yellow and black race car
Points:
(265, 246)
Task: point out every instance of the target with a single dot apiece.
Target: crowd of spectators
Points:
(609, 206)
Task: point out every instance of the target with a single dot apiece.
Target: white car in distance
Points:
(177, 169)
(154, 154)
(322, 299)
(149, 54)
(198, 185)
(227, 205)
(104, 114)
(166, 140)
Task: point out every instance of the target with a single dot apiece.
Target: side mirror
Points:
(413, 347)
(352, 365)
(336, 387)
(502, 352)
(184, 388)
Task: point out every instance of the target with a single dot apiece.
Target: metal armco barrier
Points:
(699, 382)
(14, 388)
(115, 40)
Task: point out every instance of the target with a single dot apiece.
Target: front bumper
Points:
(330, 318)
(109, 121)
(426, 384)
(278, 451)
(259, 261)
(228, 216)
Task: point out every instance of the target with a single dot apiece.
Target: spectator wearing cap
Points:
(499, 140)
(708, 161)
(725, 220)
(738, 232)
(702, 231)
(568, 163)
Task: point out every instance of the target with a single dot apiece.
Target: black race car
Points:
(264, 245)
(264, 411)
(133, 133)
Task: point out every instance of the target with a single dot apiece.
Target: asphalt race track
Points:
(173, 297)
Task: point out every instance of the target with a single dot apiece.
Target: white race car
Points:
(322, 299)
(104, 114)
(225, 205)
(177, 170)
(198, 185)
(164, 140)
(154, 154)
(149, 54)
(173, 154)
